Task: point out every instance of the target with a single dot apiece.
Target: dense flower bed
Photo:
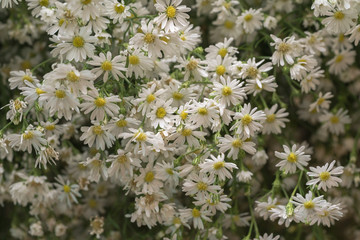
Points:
(171, 119)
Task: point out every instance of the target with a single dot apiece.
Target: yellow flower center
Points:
(119, 8)
(122, 159)
(60, 93)
(140, 137)
(178, 96)
(320, 101)
(17, 104)
(218, 165)
(165, 39)
(237, 143)
(252, 72)
(27, 78)
(202, 111)
(270, 118)
(85, 2)
(222, 52)
(160, 112)
(183, 38)
(284, 47)
(339, 15)
(78, 42)
(183, 115)
(186, 132)
(100, 102)
(324, 176)
(309, 204)
(229, 24)
(67, 188)
(121, 123)
(44, 3)
(72, 77)
(170, 12)
(220, 70)
(28, 135)
(196, 213)
(270, 207)
(170, 171)
(334, 119)
(226, 91)
(149, 177)
(177, 221)
(92, 203)
(202, 186)
(341, 37)
(246, 120)
(26, 65)
(134, 60)
(39, 91)
(97, 130)
(339, 58)
(150, 98)
(248, 17)
(192, 65)
(50, 127)
(292, 157)
(149, 38)
(106, 66)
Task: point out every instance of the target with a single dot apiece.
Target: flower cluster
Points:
(179, 120)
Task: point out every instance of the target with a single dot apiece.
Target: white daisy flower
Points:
(220, 66)
(117, 11)
(249, 121)
(161, 114)
(148, 97)
(307, 206)
(32, 92)
(97, 168)
(251, 20)
(322, 102)
(268, 237)
(325, 176)
(149, 39)
(194, 68)
(46, 154)
(187, 134)
(199, 184)
(285, 50)
(341, 61)
(339, 21)
(16, 110)
(138, 64)
(213, 202)
(122, 164)
(107, 65)
(221, 48)
(203, 113)
(274, 120)
(67, 192)
(31, 138)
(76, 45)
(334, 123)
(140, 138)
(292, 159)
(179, 95)
(18, 79)
(121, 124)
(228, 92)
(99, 105)
(58, 100)
(172, 15)
(256, 86)
(77, 81)
(264, 208)
(311, 80)
(148, 180)
(217, 166)
(98, 135)
(327, 215)
(197, 216)
(254, 70)
(234, 144)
